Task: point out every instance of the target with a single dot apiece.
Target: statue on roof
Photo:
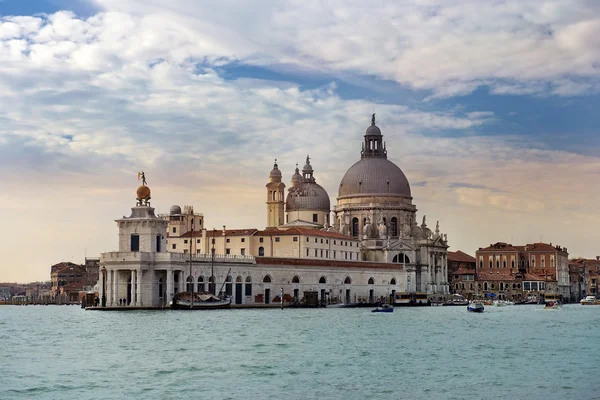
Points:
(424, 223)
(373, 120)
(142, 176)
(381, 228)
(437, 228)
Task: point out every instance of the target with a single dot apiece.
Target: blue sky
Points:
(490, 109)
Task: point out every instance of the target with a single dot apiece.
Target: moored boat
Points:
(457, 300)
(199, 301)
(405, 299)
(475, 307)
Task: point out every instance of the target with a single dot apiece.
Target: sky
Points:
(489, 107)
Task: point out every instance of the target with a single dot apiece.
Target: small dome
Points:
(175, 210)
(143, 192)
(307, 196)
(373, 130)
(275, 172)
(296, 178)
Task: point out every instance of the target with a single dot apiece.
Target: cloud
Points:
(447, 47)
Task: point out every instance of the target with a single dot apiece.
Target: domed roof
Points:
(307, 196)
(374, 175)
(275, 172)
(373, 130)
(175, 210)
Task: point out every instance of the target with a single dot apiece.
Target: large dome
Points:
(374, 176)
(307, 196)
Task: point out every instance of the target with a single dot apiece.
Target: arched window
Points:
(512, 264)
(493, 286)
(371, 281)
(347, 281)
(322, 280)
(401, 258)
(261, 251)
(238, 279)
(189, 284)
(485, 286)
(543, 262)
(355, 227)
(200, 284)
(504, 263)
(394, 227)
(393, 281)
(248, 288)
(501, 286)
(267, 279)
(497, 263)
(296, 279)
(491, 263)
(481, 263)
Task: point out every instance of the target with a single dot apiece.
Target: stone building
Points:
(516, 272)
(461, 273)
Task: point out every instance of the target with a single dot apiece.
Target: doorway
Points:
(267, 296)
(238, 293)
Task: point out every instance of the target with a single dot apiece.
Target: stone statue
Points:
(373, 119)
(382, 229)
(437, 228)
(424, 223)
(445, 237)
(343, 226)
(367, 229)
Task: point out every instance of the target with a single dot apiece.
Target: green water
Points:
(518, 352)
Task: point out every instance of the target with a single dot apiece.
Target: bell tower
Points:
(275, 198)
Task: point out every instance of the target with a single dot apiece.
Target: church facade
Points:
(367, 247)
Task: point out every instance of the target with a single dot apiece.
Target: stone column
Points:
(133, 287)
(169, 286)
(116, 286)
(139, 281)
(109, 289)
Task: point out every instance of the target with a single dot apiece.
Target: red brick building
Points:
(461, 273)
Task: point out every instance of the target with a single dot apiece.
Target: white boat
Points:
(502, 303)
(590, 300)
(553, 305)
(475, 307)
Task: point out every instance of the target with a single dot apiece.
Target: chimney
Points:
(224, 230)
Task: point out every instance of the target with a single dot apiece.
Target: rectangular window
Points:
(198, 251)
(227, 251)
(307, 252)
(248, 289)
(315, 218)
(334, 253)
(174, 230)
(295, 239)
(321, 252)
(316, 254)
(321, 240)
(198, 241)
(345, 255)
(327, 241)
(307, 239)
(243, 252)
(213, 240)
(174, 246)
(335, 242)
(185, 241)
(261, 240)
(316, 240)
(158, 241)
(327, 253)
(135, 243)
(228, 240)
(277, 239)
(243, 240)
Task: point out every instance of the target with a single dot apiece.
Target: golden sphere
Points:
(143, 192)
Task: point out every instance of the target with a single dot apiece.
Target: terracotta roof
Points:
(534, 277)
(460, 256)
(270, 232)
(500, 246)
(542, 247)
(463, 271)
(503, 274)
(324, 263)
(305, 232)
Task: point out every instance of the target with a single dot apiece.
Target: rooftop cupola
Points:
(275, 175)
(307, 171)
(373, 145)
(296, 178)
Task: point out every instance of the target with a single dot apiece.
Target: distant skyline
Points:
(489, 108)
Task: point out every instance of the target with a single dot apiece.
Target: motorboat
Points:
(502, 303)
(590, 300)
(475, 307)
(383, 308)
(552, 305)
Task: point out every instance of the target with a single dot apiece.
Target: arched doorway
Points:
(238, 290)
(347, 295)
(189, 284)
(211, 284)
(267, 279)
(229, 286)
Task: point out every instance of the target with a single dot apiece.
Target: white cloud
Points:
(447, 47)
